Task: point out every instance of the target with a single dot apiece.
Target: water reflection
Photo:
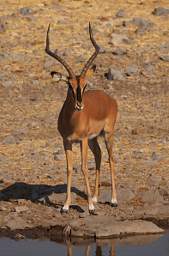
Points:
(139, 245)
(88, 250)
(145, 245)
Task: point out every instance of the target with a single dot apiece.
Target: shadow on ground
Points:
(37, 193)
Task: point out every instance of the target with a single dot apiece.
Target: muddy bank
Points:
(42, 218)
(32, 207)
(87, 231)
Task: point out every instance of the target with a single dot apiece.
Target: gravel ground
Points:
(134, 39)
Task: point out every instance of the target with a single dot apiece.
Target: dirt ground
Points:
(32, 161)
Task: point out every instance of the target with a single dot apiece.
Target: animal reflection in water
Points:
(87, 249)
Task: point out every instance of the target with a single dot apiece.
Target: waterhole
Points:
(139, 245)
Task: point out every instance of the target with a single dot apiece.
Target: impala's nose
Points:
(79, 106)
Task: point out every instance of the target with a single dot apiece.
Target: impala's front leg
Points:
(84, 152)
(68, 151)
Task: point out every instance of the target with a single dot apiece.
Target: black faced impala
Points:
(85, 115)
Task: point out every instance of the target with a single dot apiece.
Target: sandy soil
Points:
(32, 161)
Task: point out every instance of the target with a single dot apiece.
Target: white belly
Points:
(93, 135)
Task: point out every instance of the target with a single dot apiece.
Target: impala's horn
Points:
(94, 55)
(57, 57)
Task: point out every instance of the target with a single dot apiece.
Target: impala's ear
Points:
(91, 70)
(59, 77)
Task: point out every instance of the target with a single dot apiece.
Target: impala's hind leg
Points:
(109, 146)
(95, 148)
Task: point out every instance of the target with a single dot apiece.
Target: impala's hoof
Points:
(92, 212)
(64, 211)
(114, 205)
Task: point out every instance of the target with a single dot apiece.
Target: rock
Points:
(84, 214)
(154, 156)
(25, 11)
(19, 57)
(164, 193)
(159, 212)
(59, 156)
(137, 154)
(8, 83)
(140, 22)
(137, 21)
(20, 131)
(142, 30)
(104, 226)
(164, 58)
(143, 88)
(114, 74)
(117, 39)
(150, 196)
(124, 97)
(164, 46)
(35, 83)
(148, 67)
(19, 209)
(160, 11)
(3, 159)
(2, 208)
(19, 236)
(153, 180)
(125, 194)
(104, 195)
(131, 70)
(2, 75)
(2, 27)
(13, 222)
(119, 52)
(102, 49)
(120, 13)
(10, 139)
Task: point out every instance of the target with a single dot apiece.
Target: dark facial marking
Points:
(79, 94)
(71, 90)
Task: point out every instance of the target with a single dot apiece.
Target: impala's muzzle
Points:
(79, 106)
